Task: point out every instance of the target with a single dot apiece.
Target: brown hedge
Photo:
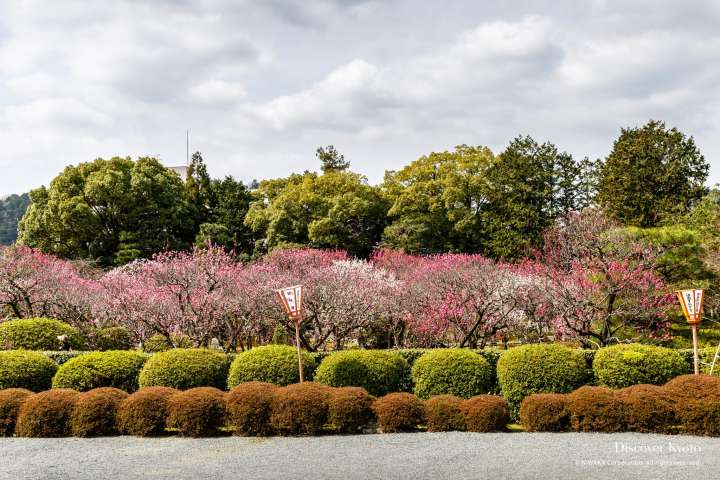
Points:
(485, 413)
(95, 412)
(545, 412)
(596, 409)
(350, 409)
(648, 409)
(443, 414)
(300, 409)
(694, 387)
(700, 417)
(11, 400)
(397, 412)
(197, 412)
(249, 406)
(144, 412)
(47, 414)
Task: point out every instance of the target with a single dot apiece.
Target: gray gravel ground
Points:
(451, 456)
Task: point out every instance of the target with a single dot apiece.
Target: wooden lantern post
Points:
(691, 302)
(291, 299)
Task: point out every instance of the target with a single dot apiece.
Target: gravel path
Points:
(446, 456)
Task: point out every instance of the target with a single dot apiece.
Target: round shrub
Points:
(694, 387)
(452, 371)
(95, 412)
(539, 368)
(47, 414)
(596, 409)
(648, 409)
(300, 409)
(23, 369)
(37, 334)
(442, 414)
(485, 413)
(161, 343)
(277, 364)
(249, 406)
(398, 412)
(186, 368)
(113, 338)
(377, 371)
(700, 417)
(10, 402)
(545, 412)
(144, 412)
(119, 369)
(197, 412)
(620, 366)
(349, 409)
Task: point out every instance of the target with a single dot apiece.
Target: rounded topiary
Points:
(398, 412)
(10, 402)
(249, 406)
(700, 417)
(197, 412)
(119, 369)
(485, 413)
(443, 414)
(38, 334)
(694, 387)
(186, 368)
(648, 409)
(377, 371)
(545, 412)
(349, 409)
(47, 414)
(143, 413)
(620, 366)
(452, 371)
(596, 409)
(539, 368)
(161, 343)
(300, 409)
(23, 369)
(276, 364)
(113, 338)
(95, 412)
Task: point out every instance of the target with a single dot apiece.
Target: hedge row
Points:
(687, 404)
(251, 409)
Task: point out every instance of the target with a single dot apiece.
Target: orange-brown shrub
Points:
(300, 409)
(95, 412)
(398, 412)
(249, 406)
(648, 409)
(11, 400)
(143, 413)
(197, 412)
(694, 387)
(596, 409)
(700, 417)
(47, 414)
(349, 409)
(485, 413)
(545, 412)
(442, 413)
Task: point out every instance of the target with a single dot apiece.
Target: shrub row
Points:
(43, 333)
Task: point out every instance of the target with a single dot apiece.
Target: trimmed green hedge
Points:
(377, 371)
(114, 368)
(113, 338)
(24, 369)
(62, 356)
(620, 366)
(37, 334)
(184, 368)
(539, 368)
(452, 371)
(276, 364)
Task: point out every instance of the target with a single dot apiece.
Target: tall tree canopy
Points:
(111, 211)
(651, 174)
(12, 208)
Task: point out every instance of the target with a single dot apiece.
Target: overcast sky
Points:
(261, 84)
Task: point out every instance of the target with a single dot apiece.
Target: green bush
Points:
(37, 334)
(276, 364)
(378, 371)
(451, 371)
(186, 368)
(113, 338)
(119, 369)
(23, 369)
(620, 366)
(539, 368)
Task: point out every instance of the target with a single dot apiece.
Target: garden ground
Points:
(454, 456)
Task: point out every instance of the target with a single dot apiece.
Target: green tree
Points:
(12, 208)
(198, 188)
(331, 159)
(652, 174)
(225, 224)
(98, 209)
